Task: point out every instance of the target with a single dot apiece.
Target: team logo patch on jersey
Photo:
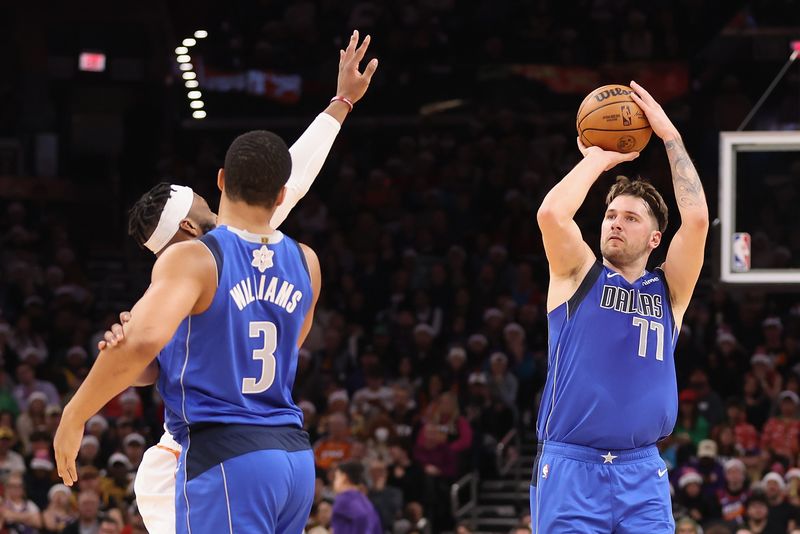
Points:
(262, 258)
(545, 470)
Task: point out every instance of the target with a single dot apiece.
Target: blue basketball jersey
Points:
(235, 363)
(611, 372)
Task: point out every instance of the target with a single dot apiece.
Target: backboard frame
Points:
(730, 144)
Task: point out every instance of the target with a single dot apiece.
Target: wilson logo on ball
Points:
(608, 93)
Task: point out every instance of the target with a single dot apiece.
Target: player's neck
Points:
(253, 219)
(630, 272)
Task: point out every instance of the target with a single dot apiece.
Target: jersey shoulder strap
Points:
(212, 244)
(583, 289)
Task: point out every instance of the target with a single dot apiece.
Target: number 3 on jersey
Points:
(644, 328)
(267, 356)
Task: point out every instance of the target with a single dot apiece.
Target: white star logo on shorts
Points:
(262, 258)
(608, 458)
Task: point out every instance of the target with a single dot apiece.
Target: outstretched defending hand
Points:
(352, 84)
(609, 158)
(656, 115)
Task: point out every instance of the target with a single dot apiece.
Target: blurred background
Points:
(429, 345)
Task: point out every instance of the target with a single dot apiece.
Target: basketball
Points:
(610, 119)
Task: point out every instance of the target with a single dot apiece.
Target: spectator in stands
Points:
(746, 435)
(781, 513)
(709, 468)
(88, 508)
(31, 420)
(403, 473)
(503, 385)
(733, 497)
(20, 514)
(320, 520)
(709, 404)
(781, 435)
(39, 478)
(757, 517)
(133, 445)
(10, 461)
(375, 396)
(762, 366)
(697, 506)
(687, 525)
(336, 445)
(404, 413)
(387, 500)
(726, 365)
(691, 427)
(107, 524)
(59, 512)
(352, 513)
(116, 485)
(27, 383)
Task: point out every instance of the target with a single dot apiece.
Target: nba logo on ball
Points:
(545, 470)
(741, 252)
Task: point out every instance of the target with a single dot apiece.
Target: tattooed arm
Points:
(686, 252)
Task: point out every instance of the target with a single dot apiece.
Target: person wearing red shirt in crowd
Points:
(746, 435)
(781, 433)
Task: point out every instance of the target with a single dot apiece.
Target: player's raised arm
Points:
(183, 282)
(311, 149)
(567, 252)
(686, 252)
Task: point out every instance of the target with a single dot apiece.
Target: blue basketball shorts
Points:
(220, 491)
(591, 491)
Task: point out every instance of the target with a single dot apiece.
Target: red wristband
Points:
(342, 99)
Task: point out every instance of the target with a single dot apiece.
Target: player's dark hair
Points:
(257, 166)
(644, 190)
(354, 472)
(144, 214)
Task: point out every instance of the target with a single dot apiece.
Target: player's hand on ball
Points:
(116, 335)
(609, 158)
(66, 444)
(352, 84)
(656, 115)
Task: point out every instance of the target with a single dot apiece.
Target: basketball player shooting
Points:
(611, 390)
(239, 411)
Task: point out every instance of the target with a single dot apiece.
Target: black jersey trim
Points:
(583, 289)
(214, 247)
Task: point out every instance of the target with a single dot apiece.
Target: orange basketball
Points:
(610, 119)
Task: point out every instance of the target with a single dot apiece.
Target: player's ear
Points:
(281, 197)
(221, 179)
(655, 239)
(188, 226)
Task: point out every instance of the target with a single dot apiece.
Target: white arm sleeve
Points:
(308, 154)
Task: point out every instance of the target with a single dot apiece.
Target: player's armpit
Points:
(316, 285)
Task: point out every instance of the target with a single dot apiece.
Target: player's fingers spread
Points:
(353, 41)
(372, 66)
(581, 146)
(110, 339)
(124, 317)
(362, 49)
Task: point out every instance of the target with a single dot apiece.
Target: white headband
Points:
(175, 210)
